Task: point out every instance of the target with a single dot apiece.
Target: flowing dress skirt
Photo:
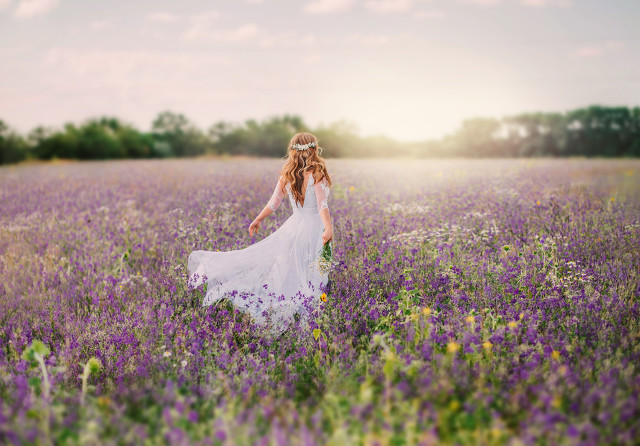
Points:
(273, 279)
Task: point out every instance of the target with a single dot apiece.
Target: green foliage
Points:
(103, 138)
(92, 367)
(182, 136)
(13, 148)
(269, 138)
(36, 350)
(591, 131)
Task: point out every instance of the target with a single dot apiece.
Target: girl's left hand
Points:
(327, 235)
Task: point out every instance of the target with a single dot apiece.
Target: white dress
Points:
(277, 277)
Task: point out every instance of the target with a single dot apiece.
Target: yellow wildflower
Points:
(323, 297)
(453, 347)
(521, 316)
(426, 311)
(613, 199)
(351, 189)
(487, 345)
(538, 202)
(556, 402)
(555, 355)
(512, 324)
(471, 319)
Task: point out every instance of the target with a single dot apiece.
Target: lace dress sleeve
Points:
(276, 198)
(322, 194)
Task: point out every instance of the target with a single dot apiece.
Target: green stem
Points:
(85, 378)
(46, 391)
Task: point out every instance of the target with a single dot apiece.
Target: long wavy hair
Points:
(300, 161)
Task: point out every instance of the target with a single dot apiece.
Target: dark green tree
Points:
(13, 148)
(183, 137)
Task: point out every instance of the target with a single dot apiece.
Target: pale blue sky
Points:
(411, 69)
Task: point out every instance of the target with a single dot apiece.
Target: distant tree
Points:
(590, 131)
(184, 138)
(634, 146)
(535, 134)
(98, 140)
(476, 137)
(341, 139)
(59, 144)
(601, 131)
(225, 137)
(267, 138)
(39, 134)
(13, 148)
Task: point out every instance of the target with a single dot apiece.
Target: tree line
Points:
(591, 131)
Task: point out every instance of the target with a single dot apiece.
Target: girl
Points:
(280, 275)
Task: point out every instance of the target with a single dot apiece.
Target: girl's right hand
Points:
(253, 227)
(327, 235)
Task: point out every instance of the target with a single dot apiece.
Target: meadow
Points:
(471, 302)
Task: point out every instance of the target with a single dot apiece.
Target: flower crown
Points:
(303, 146)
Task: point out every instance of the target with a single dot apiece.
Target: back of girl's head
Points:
(302, 159)
(303, 138)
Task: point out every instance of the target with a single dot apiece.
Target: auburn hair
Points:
(300, 161)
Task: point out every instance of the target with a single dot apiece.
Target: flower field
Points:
(470, 302)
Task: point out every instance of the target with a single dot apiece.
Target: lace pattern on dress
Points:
(276, 197)
(322, 194)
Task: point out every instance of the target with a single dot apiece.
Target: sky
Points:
(409, 69)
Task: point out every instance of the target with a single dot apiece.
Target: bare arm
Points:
(255, 225)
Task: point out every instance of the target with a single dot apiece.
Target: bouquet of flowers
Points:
(325, 260)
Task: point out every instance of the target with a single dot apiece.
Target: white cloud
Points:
(368, 39)
(543, 3)
(30, 8)
(530, 3)
(164, 17)
(4, 3)
(201, 24)
(483, 2)
(288, 39)
(429, 15)
(328, 6)
(598, 50)
(385, 6)
(98, 25)
(241, 33)
(312, 59)
(588, 51)
(124, 82)
(202, 27)
(110, 63)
